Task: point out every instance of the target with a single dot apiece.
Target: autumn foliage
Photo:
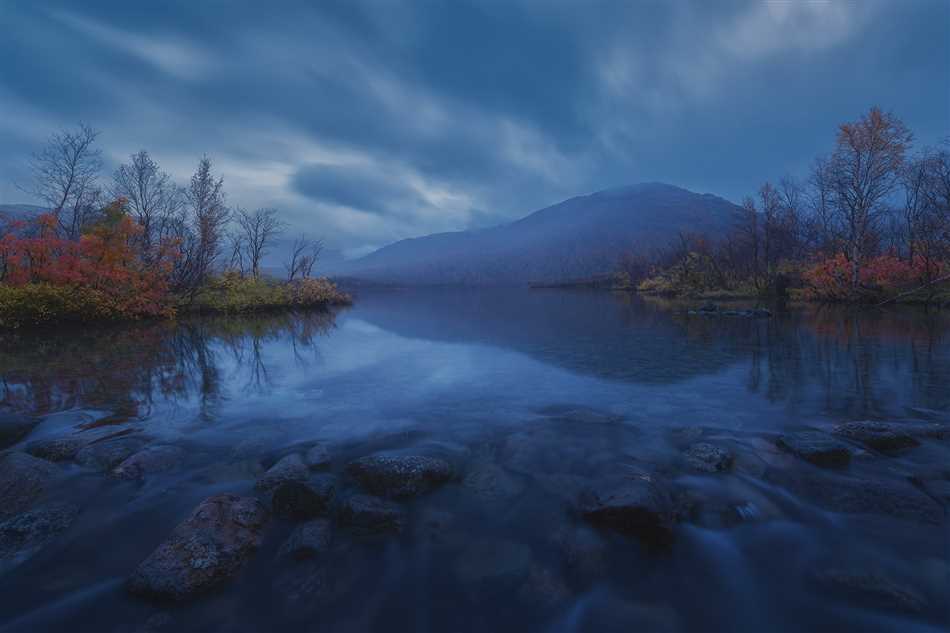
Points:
(881, 276)
(105, 274)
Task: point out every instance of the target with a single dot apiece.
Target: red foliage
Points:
(107, 260)
(885, 274)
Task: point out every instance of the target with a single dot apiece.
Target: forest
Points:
(141, 245)
(869, 223)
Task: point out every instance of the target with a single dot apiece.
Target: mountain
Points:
(19, 211)
(579, 237)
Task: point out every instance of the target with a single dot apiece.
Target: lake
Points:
(541, 402)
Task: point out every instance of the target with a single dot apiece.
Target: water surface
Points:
(534, 397)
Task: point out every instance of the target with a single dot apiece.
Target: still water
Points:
(535, 398)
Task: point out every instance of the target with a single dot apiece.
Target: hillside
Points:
(579, 237)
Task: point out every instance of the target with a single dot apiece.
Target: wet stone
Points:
(371, 515)
(709, 458)
(290, 468)
(492, 560)
(108, 454)
(23, 480)
(308, 540)
(206, 549)
(544, 588)
(881, 436)
(816, 447)
(57, 449)
(399, 476)
(149, 461)
(640, 507)
(299, 500)
(14, 427)
(25, 534)
(873, 588)
(317, 457)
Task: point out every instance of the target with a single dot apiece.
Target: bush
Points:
(43, 303)
(232, 293)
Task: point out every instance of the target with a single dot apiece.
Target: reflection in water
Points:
(535, 398)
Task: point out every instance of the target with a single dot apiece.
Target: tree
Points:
(64, 175)
(863, 171)
(201, 231)
(303, 256)
(153, 200)
(256, 231)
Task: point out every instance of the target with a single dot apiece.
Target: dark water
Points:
(534, 397)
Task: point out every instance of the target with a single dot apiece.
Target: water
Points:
(534, 397)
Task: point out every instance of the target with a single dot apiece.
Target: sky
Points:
(366, 122)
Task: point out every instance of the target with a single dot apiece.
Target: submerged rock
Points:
(23, 480)
(492, 560)
(57, 449)
(872, 587)
(709, 458)
(544, 588)
(371, 515)
(881, 436)
(25, 534)
(299, 500)
(815, 447)
(148, 461)
(14, 427)
(317, 457)
(851, 495)
(491, 482)
(108, 454)
(640, 507)
(400, 476)
(584, 552)
(308, 540)
(290, 468)
(206, 549)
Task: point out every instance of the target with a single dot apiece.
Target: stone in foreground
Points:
(317, 457)
(400, 477)
(709, 458)
(290, 468)
(108, 454)
(873, 588)
(27, 533)
(299, 500)
(13, 427)
(815, 447)
(881, 436)
(23, 480)
(150, 460)
(205, 550)
(57, 449)
(371, 515)
(640, 507)
(308, 540)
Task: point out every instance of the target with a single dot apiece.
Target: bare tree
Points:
(303, 256)
(64, 175)
(154, 201)
(257, 231)
(202, 228)
(864, 170)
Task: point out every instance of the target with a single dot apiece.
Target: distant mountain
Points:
(19, 211)
(579, 237)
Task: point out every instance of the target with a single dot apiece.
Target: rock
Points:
(640, 507)
(290, 468)
(851, 495)
(308, 540)
(492, 560)
(13, 427)
(57, 449)
(150, 460)
(23, 480)
(371, 515)
(882, 436)
(709, 458)
(815, 447)
(298, 500)
(25, 534)
(400, 477)
(206, 549)
(709, 307)
(108, 454)
(872, 587)
(317, 457)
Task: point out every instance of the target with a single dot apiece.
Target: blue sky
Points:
(368, 122)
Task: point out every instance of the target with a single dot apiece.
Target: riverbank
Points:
(43, 304)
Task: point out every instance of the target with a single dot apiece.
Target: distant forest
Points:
(870, 222)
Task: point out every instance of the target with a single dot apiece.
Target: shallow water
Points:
(534, 397)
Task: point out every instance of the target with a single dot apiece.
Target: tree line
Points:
(871, 220)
